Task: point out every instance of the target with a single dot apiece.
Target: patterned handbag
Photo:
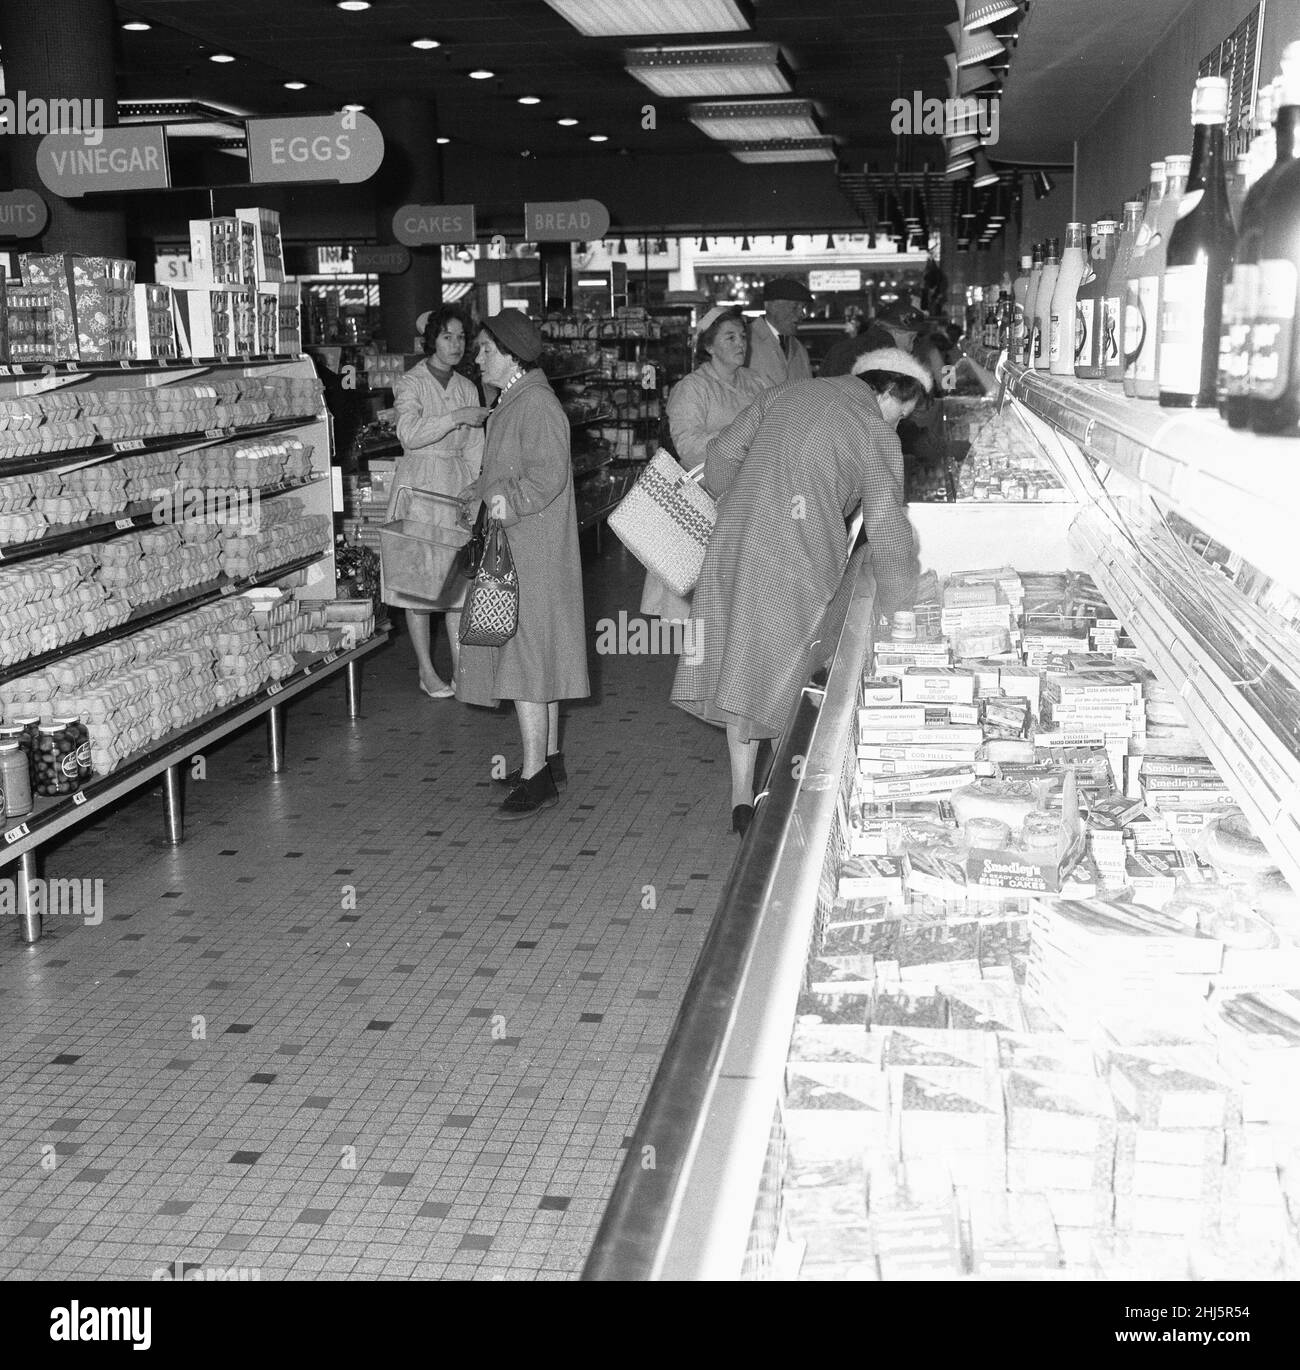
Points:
(491, 614)
(665, 521)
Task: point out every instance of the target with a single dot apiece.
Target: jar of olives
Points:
(55, 760)
(15, 783)
(78, 730)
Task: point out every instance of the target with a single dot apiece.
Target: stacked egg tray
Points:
(1076, 1058)
(62, 420)
(132, 692)
(283, 534)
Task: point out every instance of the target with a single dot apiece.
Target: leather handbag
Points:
(665, 521)
(490, 617)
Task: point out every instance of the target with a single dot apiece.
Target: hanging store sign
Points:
(130, 158)
(565, 221)
(419, 225)
(835, 280)
(380, 261)
(344, 148)
(23, 214)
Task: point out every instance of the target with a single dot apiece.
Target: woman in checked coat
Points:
(788, 472)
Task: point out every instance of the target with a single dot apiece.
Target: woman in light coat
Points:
(527, 484)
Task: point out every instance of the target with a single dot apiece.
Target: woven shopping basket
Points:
(419, 549)
(665, 521)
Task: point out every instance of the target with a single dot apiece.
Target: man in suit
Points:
(775, 354)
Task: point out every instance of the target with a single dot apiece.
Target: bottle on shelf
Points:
(1135, 324)
(1090, 309)
(1151, 265)
(1074, 263)
(1112, 340)
(1241, 293)
(1262, 153)
(1031, 299)
(1041, 359)
(1197, 261)
(1019, 291)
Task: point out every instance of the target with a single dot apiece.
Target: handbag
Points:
(665, 521)
(471, 555)
(491, 614)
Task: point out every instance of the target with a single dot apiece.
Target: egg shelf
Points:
(103, 450)
(128, 520)
(73, 369)
(56, 815)
(159, 612)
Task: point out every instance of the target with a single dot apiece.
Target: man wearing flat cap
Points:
(775, 354)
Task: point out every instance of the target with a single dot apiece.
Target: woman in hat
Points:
(790, 470)
(527, 484)
(700, 406)
(440, 426)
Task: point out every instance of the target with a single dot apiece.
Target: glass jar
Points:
(81, 733)
(15, 782)
(55, 760)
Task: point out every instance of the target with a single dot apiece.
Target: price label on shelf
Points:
(214, 432)
(129, 445)
(307, 670)
(331, 656)
(17, 834)
(229, 588)
(72, 366)
(124, 364)
(274, 689)
(124, 523)
(5, 371)
(79, 798)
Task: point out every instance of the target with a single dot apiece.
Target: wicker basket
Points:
(665, 522)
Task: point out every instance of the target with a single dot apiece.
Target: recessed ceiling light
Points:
(566, 123)
(442, 142)
(530, 100)
(137, 26)
(353, 109)
(221, 57)
(425, 43)
(356, 5)
(597, 138)
(295, 85)
(482, 74)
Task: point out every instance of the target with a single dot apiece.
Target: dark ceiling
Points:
(851, 57)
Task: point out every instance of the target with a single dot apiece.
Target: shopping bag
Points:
(471, 555)
(491, 614)
(665, 521)
(420, 546)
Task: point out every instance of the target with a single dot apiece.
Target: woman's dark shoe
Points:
(554, 763)
(741, 817)
(529, 797)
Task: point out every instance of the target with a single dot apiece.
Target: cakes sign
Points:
(565, 221)
(130, 158)
(23, 214)
(344, 148)
(419, 225)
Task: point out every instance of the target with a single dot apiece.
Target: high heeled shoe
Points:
(447, 691)
(741, 817)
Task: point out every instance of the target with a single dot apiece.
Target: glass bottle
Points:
(1135, 324)
(1090, 311)
(1019, 291)
(1031, 300)
(1197, 261)
(1151, 265)
(1074, 263)
(1240, 296)
(1041, 359)
(1112, 339)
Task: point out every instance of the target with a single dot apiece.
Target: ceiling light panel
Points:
(614, 18)
(785, 150)
(739, 69)
(745, 121)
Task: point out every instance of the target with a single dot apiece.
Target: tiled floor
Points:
(353, 1028)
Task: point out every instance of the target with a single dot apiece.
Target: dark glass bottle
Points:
(1198, 261)
(1090, 308)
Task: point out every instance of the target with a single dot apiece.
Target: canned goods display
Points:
(15, 783)
(54, 765)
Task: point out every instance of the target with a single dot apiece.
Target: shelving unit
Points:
(312, 572)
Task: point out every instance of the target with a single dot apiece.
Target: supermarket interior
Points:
(841, 454)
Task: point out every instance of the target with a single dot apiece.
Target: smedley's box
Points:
(1040, 870)
(937, 684)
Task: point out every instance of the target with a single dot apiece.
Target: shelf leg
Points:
(275, 737)
(29, 918)
(353, 674)
(175, 809)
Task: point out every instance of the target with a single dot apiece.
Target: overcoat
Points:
(769, 363)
